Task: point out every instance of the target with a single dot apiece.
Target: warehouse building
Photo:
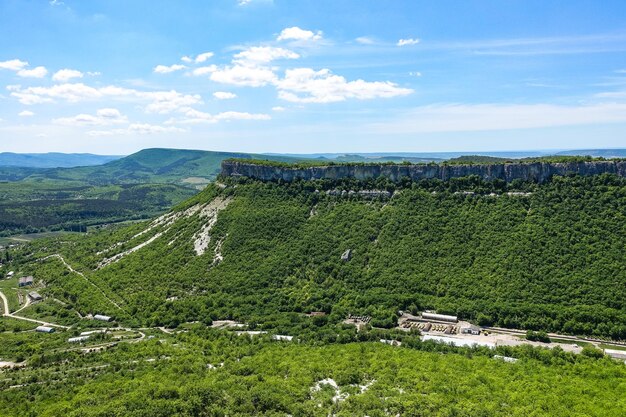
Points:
(439, 317)
(77, 339)
(102, 318)
(616, 354)
(44, 329)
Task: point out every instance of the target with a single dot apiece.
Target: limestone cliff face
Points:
(537, 172)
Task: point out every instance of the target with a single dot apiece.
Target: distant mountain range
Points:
(440, 156)
(53, 159)
(604, 153)
(177, 161)
(137, 186)
(155, 166)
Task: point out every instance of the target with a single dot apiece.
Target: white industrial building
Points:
(77, 339)
(616, 354)
(458, 342)
(44, 329)
(439, 317)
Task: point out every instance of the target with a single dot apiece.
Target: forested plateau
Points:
(541, 257)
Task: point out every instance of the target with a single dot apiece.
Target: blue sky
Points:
(109, 76)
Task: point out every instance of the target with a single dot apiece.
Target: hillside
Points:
(138, 186)
(543, 257)
(289, 263)
(185, 167)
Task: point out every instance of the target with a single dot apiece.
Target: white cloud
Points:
(415, 74)
(19, 66)
(30, 99)
(66, 74)
(102, 117)
(204, 70)
(68, 92)
(157, 101)
(137, 129)
(297, 34)
(256, 55)
(364, 40)
(26, 113)
(250, 67)
(278, 108)
(164, 69)
(235, 115)
(488, 117)
(203, 57)
(305, 85)
(409, 41)
(224, 95)
(193, 116)
(13, 64)
(186, 59)
(240, 75)
(94, 73)
(37, 72)
(169, 101)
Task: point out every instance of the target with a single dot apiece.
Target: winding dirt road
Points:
(7, 313)
(69, 267)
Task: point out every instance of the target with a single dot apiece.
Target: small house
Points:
(34, 296)
(101, 317)
(10, 274)
(25, 281)
(475, 330)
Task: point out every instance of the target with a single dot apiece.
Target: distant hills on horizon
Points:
(52, 160)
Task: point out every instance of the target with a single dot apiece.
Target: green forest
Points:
(202, 372)
(540, 258)
(546, 257)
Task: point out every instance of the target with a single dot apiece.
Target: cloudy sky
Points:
(116, 76)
